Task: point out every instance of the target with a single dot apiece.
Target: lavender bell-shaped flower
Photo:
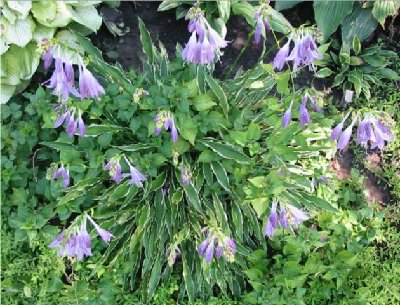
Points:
(104, 234)
(72, 125)
(281, 56)
(303, 112)
(186, 174)
(297, 216)
(345, 136)
(287, 116)
(47, 58)
(114, 168)
(81, 125)
(283, 220)
(88, 84)
(262, 25)
(338, 129)
(64, 174)
(203, 246)
(136, 177)
(272, 221)
(83, 242)
(209, 254)
(170, 125)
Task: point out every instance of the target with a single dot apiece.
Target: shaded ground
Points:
(127, 50)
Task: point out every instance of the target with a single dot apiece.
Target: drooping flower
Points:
(47, 58)
(314, 104)
(287, 116)
(303, 112)
(209, 254)
(217, 245)
(136, 177)
(338, 129)
(262, 23)
(304, 52)
(297, 216)
(166, 120)
(104, 234)
(345, 136)
(82, 243)
(204, 43)
(64, 174)
(89, 87)
(60, 82)
(371, 131)
(281, 56)
(114, 169)
(272, 221)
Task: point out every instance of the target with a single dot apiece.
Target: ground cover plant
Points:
(164, 184)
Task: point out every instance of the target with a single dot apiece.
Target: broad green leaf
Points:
(281, 5)
(6, 92)
(22, 7)
(43, 32)
(136, 147)
(244, 9)
(192, 196)
(203, 102)
(356, 45)
(95, 129)
(62, 18)
(226, 151)
(221, 175)
(359, 23)
(154, 278)
(278, 22)
(87, 16)
(219, 93)
(44, 10)
(389, 73)
(324, 72)
(329, 15)
(21, 32)
(168, 4)
(385, 8)
(224, 9)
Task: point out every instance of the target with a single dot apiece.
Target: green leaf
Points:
(94, 130)
(219, 93)
(224, 9)
(147, 43)
(389, 73)
(329, 15)
(278, 22)
(324, 72)
(192, 196)
(87, 16)
(226, 151)
(154, 278)
(281, 5)
(356, 61)
(44, 10)
(60, 146)
(168, 4)
(244, 9)
(359, 23)
(356, 45)
(385, 8)
(187, 128)
(21, 32)
(282, 82)
(221, 175)
(6, 92)
(356, 81)
(136, 147)
(22, 7)
(203, 102)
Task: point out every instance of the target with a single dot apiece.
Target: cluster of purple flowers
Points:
(304, 52)
(288, 217)
(217, 245)
(165, 120)
(304, 114)
(63, 173)
(204, 43)
(76, 241)
(114, 168)
(67, 115)
(63, 78)
(262, 23)
(370, 131)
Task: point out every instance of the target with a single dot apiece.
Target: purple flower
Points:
(203, 246)
(216, 41)
(287, 116)
(190, 49)
(170, 125)
(314, 104)
(165, 119)
(219, 251)
(72, 125)
(303, 112)
(60, 83)
(345, 136)
(281, 56)
(104, 234)
(47, 58)
(136, 177)
(209, 252)
(371, 130)
(297, 215)
(81, 126)
(69, 73)
(304, 52)
(186, 174)
(261, 25)
(230, 245)
(283, 220)
(272, 222)
(82, 243)
(64, 174)
(114, 168)
(88, 84)
(56, 243)
(61, 119)
(338, 129)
